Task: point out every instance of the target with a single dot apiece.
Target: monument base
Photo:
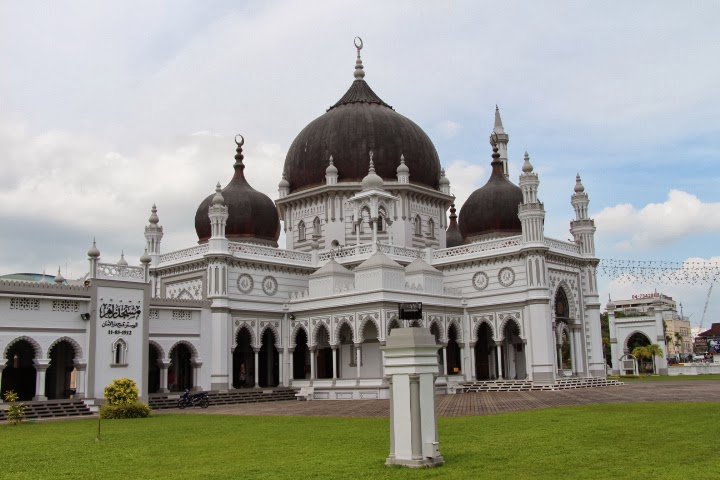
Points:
(420, 463)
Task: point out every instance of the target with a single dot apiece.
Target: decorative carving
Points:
(65, 306)
(182, 315)
(245, 283)
(24, 304)
(506, 276)
(480, 281)
(187, 290)
(269, 285)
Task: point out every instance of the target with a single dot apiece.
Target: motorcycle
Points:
(197, 400)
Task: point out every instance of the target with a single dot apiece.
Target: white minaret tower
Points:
(583, 227)
(218, 214)
(153, 236)
(331, 173)
(93, 257)
(531, 212)
(444, 183)
(283, 186)
(403, 172)
(502, 140)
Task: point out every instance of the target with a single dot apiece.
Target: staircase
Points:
(528, 386)
(232, 397)
(51, 409)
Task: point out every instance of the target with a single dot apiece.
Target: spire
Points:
(59, 278)
(218, 198)
(372, 179)
(238, 152)
(359, 72)
(122, 262)
(453, 237)
(527, 166)
(498, 128)
(154, 219)
(579, 187)
(93, 252)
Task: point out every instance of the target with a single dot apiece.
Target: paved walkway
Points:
(466, 404)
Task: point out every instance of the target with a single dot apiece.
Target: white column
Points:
(41, 367)
(291, 361)
(81, 368)
(444, 361)
(312, 363)
(281, 368)
(196, 374)
(500, 361)
(257, 367)
(164, 366)
(471, 352)
(358, 354)
(334, 355)
(573, 351)
(374, 232)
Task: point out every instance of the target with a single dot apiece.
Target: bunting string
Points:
(660, 271)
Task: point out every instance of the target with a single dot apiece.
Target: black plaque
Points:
(410, 311)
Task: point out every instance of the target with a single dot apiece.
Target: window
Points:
(418, 226)
(316, 226)
(431, 228)
(119, 349)
(301, 231)
(380, 224)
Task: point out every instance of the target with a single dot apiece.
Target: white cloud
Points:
(448, 128)
(656, 224)
(465, 178)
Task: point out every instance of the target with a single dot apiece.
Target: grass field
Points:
(666, 378)
(651, 440)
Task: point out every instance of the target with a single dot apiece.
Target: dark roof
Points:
(453, 237)
(492, 208)
(360, 122)
(714, 331)
(251, 215)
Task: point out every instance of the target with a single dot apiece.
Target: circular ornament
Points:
(269, 285)
(480, 281)
(245, 283)
(506, 276)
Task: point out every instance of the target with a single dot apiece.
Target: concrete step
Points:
(51, 409)
(232, 397)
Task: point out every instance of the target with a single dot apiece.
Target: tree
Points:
(654, 350)
(678, 343)
(641, 353)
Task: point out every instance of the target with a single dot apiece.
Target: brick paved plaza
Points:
(486, 403)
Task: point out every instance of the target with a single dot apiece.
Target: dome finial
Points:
(359, 72)
(122, 262)
(494, 143)
(59, 278)
(218, 198)
(154, 219)
(579, 187)
(372, 179)
(238, 155)
(527, 166)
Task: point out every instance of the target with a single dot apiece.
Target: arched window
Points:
(562, 308)
(431, 228)
(119, 352)
(418, 226)
(301, 231)
(381, 224)
(316, 226)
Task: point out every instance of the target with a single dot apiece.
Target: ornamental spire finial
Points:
(359, 72)
(238, 151)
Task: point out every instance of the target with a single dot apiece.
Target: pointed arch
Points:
(294, 334)
(392, 323)
(193, 350)
(431, 228)
(632, 334)
(476, 330)
(317, 226)
(564, 292)
(33, 343)
(301, 231)
(251, 333)
(382, 218)
(417, 226)
(161, 352)
(507, 322)
(71, 341)
(320, 325)
(363, 323)
(336, 337)
(561, 327)
(458, 329)
(119, 351)
(439, 325)
(274, 331)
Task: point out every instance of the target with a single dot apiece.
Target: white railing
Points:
(400, 251)
(109, 270)
(270, 252)
(186, 253)
(478, 247)
(560, 245)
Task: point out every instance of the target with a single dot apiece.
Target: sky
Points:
(107, 108)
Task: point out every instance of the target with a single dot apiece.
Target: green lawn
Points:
(666, 378)
(650, 440)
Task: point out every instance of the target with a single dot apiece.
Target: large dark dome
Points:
(252, 216)
(493, 208)
(358, 123)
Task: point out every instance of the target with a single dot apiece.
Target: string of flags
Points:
(660, 271)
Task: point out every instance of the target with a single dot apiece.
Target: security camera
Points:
(291, 316)
(87, 283)
(85, 316)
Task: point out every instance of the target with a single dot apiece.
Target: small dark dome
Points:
(453, 237)
(252, 216)
(358, 123)
(492, 208)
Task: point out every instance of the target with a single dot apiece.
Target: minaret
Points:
(153, 236)
(502, 140)
(531, 212)
(331, 173)
(444, 183)
(283, 186)
(403, 171)
(218, 214)
(93, 257)
(583, 227)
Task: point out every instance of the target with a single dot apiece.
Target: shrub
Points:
(121, 391)
(125, 410)
(15, 412)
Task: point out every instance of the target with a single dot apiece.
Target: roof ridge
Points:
(360, 92)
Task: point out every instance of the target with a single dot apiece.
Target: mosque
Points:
(364, 204)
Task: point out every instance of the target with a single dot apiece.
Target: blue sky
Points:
(109, 107)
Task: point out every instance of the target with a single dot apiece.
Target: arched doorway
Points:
(347, 355)
(566, 361)
(323, 353)
(485, 353)
(154, 359)
(19, 372)
(639, 339)
(513, 351)
(435, 330)
(370, 356)
(269, 361)
(59, 379)
(243, 360)
(180, 374)
(301, 356)
(454, 362)
(392, 324)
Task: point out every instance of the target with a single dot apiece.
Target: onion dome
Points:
(154, 219)
(492, 208)
(93, 252)
(218, 198)
(331, 169)
(579, 187)
(284, 183)
(402, 168)
(59, 278)
(145, 258)
(372, 180)
(358, 123)
(443, 179)
(453, 237)
(527, 166)
(122, 262)
(252, 216)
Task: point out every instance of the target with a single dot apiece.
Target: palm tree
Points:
(640, 353)
(654, 350)
(678, 342)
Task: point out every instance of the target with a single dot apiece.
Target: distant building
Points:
(709, 340)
